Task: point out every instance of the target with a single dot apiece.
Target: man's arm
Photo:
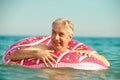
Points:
(28, 52)
(102, 58)
(24, 53)
(95, 54)
(41, 52)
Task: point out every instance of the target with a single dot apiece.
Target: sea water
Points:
(108, 47)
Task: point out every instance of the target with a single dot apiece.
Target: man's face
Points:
(60, 37)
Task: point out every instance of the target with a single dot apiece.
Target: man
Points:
(62, 32)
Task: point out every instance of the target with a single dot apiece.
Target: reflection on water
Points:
(10, 72)
(72, 74)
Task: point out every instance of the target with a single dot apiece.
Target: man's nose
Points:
(57, 37)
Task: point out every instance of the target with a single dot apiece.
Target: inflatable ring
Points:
(66, 59)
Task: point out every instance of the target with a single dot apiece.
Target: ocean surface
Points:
(108, 47)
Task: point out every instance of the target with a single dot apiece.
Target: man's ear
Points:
(71, 35)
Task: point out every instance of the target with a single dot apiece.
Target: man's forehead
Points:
(59, 29)
(58, 26)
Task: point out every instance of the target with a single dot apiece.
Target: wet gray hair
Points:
(68, 24)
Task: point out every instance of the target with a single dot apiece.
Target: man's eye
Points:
(61, 34)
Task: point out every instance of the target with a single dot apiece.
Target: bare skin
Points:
(41, 52)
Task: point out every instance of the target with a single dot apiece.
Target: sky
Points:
(91, 18)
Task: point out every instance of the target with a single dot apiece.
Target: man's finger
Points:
(46, 65)
(54, 56)
(47, 59)
(52, 59)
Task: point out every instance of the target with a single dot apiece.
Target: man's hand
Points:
(87, 53)
(90, 53)
(34, 52)
(47, 57)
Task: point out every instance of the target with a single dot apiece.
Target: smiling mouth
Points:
(57, 44)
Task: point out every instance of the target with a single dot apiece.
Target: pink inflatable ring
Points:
(66, 59)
